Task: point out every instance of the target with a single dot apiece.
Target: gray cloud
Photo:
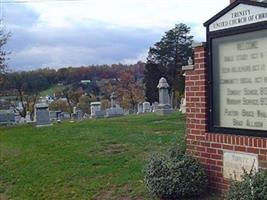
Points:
(34, 45)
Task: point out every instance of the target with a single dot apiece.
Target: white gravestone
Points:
(155, 106)
(140, 108)
(96, 110)
(164, 106)
(146, 107)
(115, 109)
(53, 115)
(183, 106)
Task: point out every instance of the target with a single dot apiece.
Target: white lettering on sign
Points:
(235, 163)
(241, 64)
(240, 15)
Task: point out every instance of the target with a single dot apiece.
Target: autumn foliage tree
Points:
(130, 93)
(72, 93)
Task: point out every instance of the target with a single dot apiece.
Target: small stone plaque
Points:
(235, 162)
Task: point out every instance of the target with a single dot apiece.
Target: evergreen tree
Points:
(166, 59)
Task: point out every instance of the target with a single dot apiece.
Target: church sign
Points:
(240, 15)
(237, 60)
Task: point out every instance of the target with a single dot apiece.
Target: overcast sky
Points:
(55, 33)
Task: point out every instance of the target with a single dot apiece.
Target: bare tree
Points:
(3, 65)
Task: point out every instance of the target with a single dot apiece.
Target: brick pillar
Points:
(208, 147)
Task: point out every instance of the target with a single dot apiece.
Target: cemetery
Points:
(194, 131)
(91, 159)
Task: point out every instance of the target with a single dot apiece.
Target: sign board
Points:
(237, 63)
(235, 163)
(238, 16)
(241, 80)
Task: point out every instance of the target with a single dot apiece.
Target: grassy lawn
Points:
(93, 159)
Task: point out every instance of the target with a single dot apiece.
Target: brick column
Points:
(208, 147)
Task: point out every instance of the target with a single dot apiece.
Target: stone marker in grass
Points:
(42, 115)
(164, 106)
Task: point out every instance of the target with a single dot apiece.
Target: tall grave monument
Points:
(164, 106)
(226, 94)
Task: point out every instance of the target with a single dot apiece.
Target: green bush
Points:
(174, 175)
(253, 186)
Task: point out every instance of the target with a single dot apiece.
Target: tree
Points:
(72, 93)
(3, 65)
(129, 92)
(26, 89)
(59, 105)
(151, 80)
(166, 59)
(84, 102)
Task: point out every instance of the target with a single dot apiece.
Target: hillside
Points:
(93, 159)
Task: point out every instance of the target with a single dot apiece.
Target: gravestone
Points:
(7, 117)
(146, 107)
(17, 117)
(22, 120)
(139, 108)
(115, 109)
(79, 114)
(42, 115)
(65, 116)
(53, 115)
(155, 106)
(74, 109)
(183, 105)
(96, 111)
(164, 106)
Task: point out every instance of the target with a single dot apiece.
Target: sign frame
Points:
(210, 35)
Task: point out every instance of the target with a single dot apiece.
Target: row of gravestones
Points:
(44, 117)
(161, 108)
(114, 110)
(146, 107)
(10, 116)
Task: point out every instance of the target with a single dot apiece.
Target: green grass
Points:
(93, 159)
(50, 91)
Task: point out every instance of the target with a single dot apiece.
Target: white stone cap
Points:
(188, 67)
(163, 83)
(95, 103)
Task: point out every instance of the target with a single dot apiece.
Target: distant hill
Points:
(72, 75)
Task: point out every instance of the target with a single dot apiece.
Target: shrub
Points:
(253, 186)
(174, 175)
